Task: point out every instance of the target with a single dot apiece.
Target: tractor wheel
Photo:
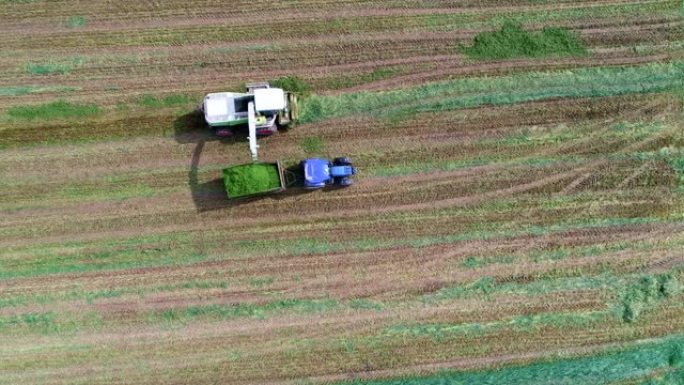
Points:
(342, 161)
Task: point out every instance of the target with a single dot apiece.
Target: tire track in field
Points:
(348, 213)
(31, 23)
(241, 35)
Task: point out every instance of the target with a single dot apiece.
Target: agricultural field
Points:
(518, 216)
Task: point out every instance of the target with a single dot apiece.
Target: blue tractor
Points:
(319, 173)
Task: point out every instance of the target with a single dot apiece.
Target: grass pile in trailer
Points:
(252, 178)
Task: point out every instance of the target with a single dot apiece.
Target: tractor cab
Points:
(319, 173)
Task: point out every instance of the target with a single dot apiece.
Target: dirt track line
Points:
(643, 168)
(462, 201)
(569, 189)
(295, 41)
(380, 261)
(220, 17)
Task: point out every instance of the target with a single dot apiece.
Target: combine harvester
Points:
(274, 107)
(260, 178)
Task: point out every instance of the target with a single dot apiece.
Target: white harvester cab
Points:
(273, 107)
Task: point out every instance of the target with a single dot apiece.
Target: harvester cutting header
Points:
(273, 108)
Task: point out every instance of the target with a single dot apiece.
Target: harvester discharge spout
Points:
(251, 122)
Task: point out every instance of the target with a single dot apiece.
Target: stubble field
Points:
(514, 221)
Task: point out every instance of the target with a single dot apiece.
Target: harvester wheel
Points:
(223, 132)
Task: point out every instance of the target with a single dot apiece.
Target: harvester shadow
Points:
(191, 128)
(209, 195)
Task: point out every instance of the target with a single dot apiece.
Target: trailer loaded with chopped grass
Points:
(253, 179)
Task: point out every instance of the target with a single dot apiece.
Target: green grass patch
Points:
(526, 323)
(245, 47)
(31, 320)
(647, 292)
(676, 160)
(503, 90)
(26, 90)
(513, 41)
(259, 282)
(313, 145)
(668, 377)
(166, 101)
(48, 68)
(550, 254)
(224, 312)
(674, 156)
(292, 84)
(417, 167)
(252, 178)
(111, 192)
(367, 77)
(632, 362)
(76, 21)
(365, 304)
(474, 262)
(59, 109)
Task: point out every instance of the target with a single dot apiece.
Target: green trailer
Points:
(252, 179)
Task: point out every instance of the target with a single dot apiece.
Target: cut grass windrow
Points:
(26, 90)
(486, 289)
(467, 290)
(517, 88)
(122, 257)
(632, 362)
(514, 41)
(59, 109)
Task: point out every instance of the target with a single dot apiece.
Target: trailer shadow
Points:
(208, 195)
(211, 195)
